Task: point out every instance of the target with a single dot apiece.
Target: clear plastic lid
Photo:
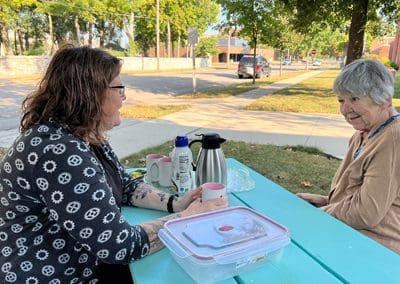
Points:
(226, 231)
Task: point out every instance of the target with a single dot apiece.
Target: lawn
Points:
(237, 89)
(313, 95)
(150, 111)
(283, 165)
(154, 111)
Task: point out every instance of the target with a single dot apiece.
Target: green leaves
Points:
(107, 19)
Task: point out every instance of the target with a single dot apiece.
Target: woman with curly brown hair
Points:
(62, 186)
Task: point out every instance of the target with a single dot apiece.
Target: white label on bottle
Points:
(182, 172)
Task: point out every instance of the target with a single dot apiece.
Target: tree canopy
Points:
(46, 23)
(352, 16)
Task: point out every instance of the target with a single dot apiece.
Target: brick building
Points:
(236, 48)
(388, 47)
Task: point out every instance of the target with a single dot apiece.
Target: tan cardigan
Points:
(365, 192)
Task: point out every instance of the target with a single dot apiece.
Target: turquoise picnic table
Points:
(346, 253)
(322, 248)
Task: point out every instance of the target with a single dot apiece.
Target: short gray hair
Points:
(365, 77)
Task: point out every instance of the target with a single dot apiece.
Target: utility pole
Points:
(229, 49)
(158, 32)
(193, 39)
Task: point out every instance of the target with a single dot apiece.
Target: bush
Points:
(394, 65)
(39, 50)
(372, 56)
(117, 53)
(386, 61)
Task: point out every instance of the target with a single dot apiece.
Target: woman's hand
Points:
(198, 206)
(181, 203)
(315, 199)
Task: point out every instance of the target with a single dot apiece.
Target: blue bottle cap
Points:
(181, 141)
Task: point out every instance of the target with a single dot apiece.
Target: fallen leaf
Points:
(306, 183)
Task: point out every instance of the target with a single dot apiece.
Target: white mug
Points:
(165, 171)
(211, 190)
(152, 167)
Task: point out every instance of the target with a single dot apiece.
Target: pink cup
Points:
(211, 190)
(165, 171)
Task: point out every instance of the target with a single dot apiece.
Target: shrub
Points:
(394, 65)
(386, 61)
(117, 53)
(38, 50)
(372, 56)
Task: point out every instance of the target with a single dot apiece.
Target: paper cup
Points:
(211, 190)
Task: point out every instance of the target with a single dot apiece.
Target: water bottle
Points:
(182, 159)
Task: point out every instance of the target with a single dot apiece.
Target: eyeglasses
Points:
(121, 90)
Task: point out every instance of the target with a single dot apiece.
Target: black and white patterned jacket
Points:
(58, 215)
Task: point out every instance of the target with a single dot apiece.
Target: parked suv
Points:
(245, 67)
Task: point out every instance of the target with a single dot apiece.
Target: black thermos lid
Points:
(212, 141)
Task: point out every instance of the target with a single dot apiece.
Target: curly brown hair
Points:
(72, 92)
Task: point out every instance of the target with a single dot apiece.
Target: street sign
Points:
(314, 51)
(193, 37)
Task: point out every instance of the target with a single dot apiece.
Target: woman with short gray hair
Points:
(365, 192)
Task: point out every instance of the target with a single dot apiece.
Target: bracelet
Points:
(169, 204)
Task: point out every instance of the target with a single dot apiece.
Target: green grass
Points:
(283, 165)
(151, 111)
(240, 88)
(313, 95)
(397, 87)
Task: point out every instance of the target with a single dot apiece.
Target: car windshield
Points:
(247, 60)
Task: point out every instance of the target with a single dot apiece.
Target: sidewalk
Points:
(330, 133)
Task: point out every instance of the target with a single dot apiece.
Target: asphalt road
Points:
(178, 83)
(165, 84)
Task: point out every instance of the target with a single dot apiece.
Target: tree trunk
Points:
(77, 31)
(179, 47)
(26, 37)
(101, 38)
(169, 39)
(228, 55)
(15, 44)
(357, 30)
(132, 34)
(90, 32)
(101, 34)
(254, 61)
(4, 40)
(21, 41)
(51, 35)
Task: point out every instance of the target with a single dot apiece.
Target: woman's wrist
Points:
(170, 207)
(172, 204)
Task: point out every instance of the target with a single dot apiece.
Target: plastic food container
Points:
(221, 244)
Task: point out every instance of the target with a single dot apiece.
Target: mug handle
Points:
(154, 175)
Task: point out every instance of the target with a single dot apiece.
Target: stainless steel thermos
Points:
(210, 163)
